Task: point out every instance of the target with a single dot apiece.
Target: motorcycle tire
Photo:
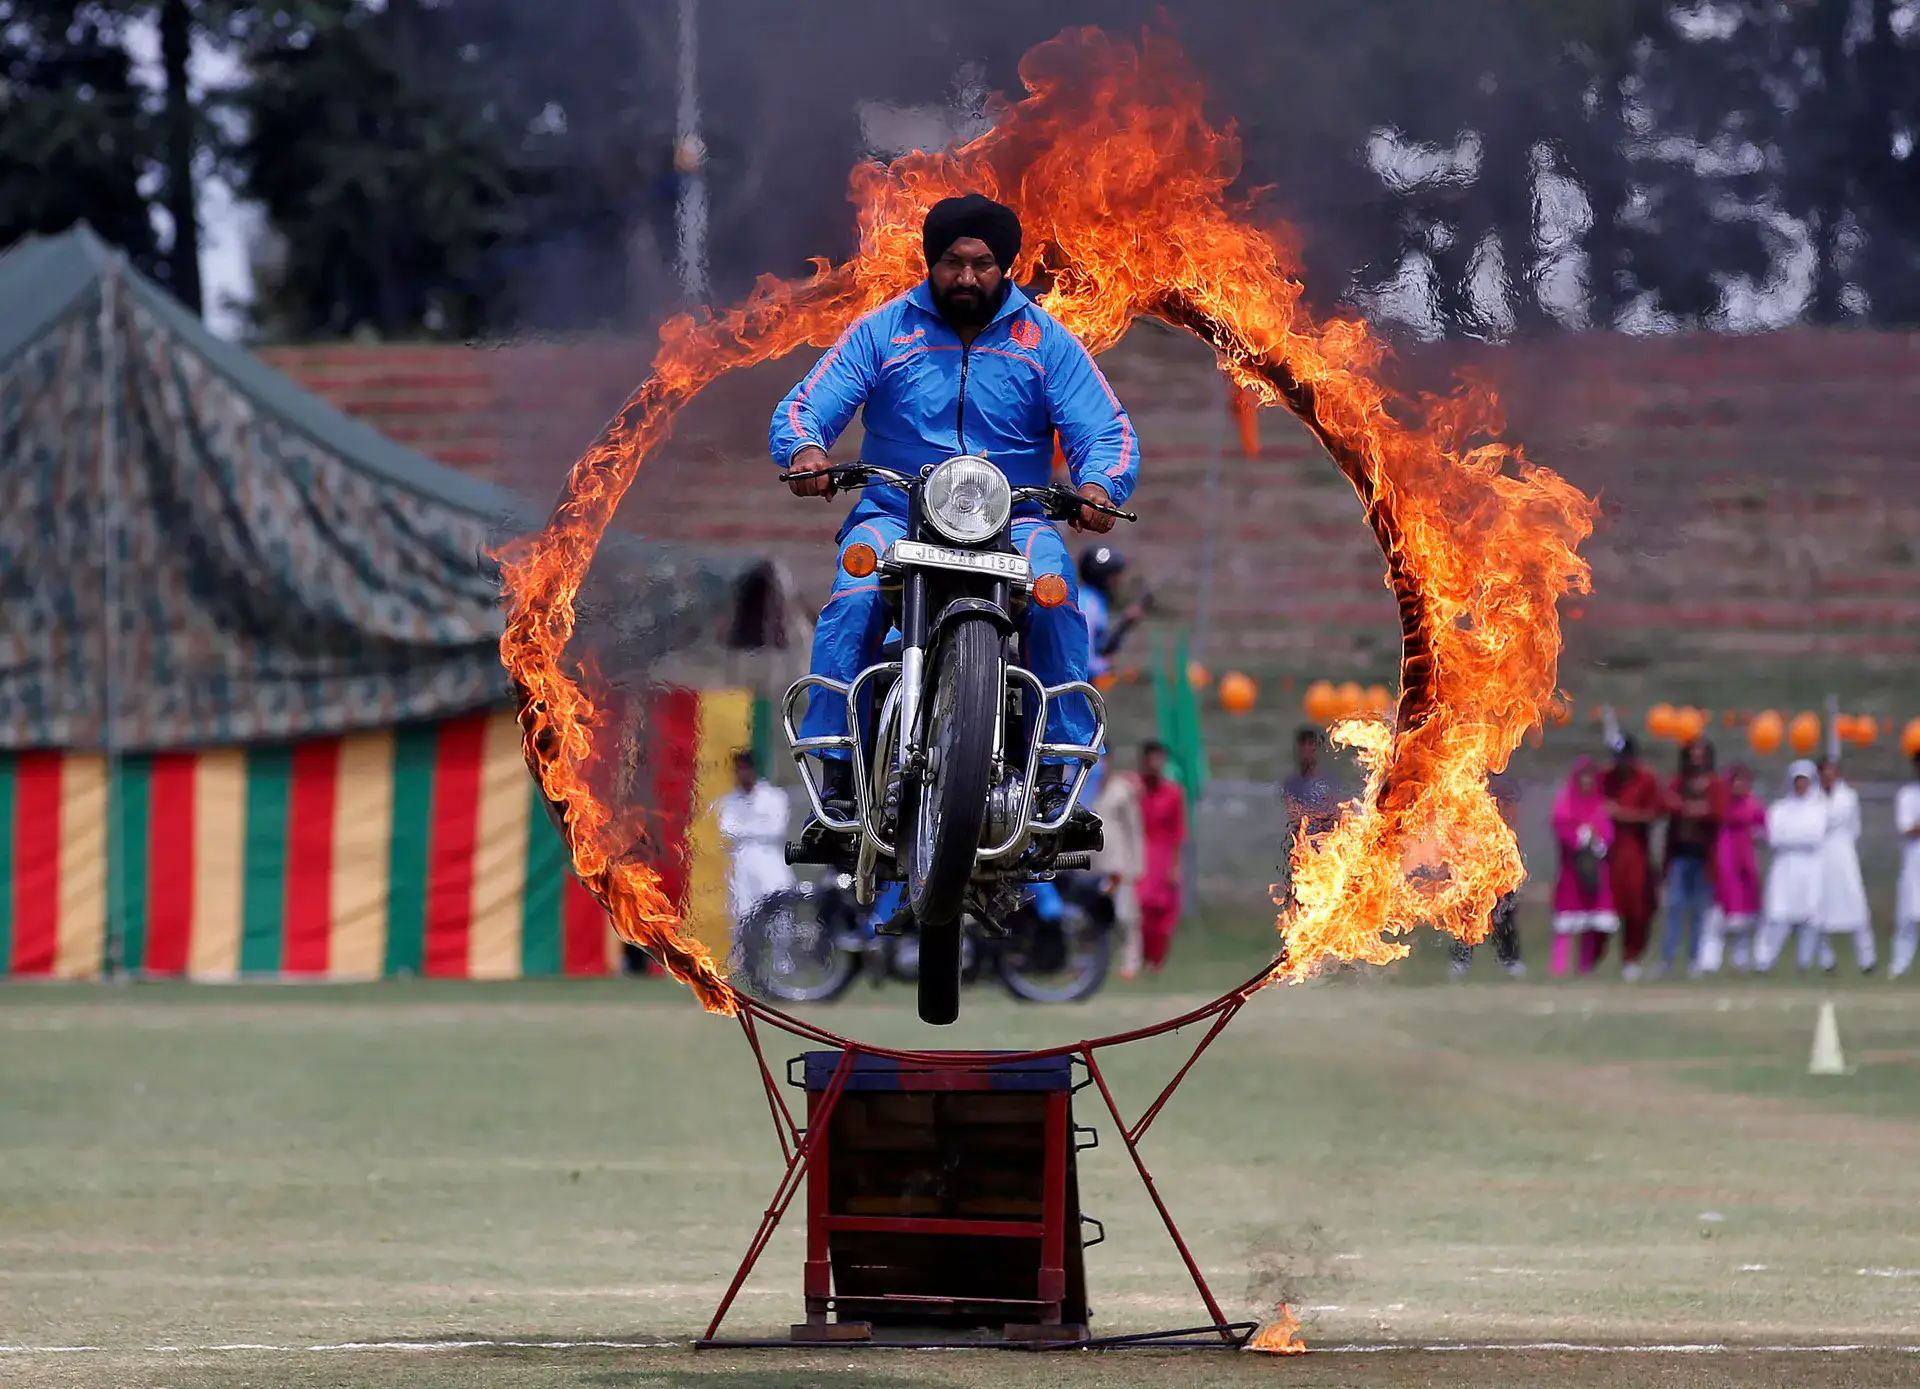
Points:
(1090, 964)
(764, 960)
(943, 818)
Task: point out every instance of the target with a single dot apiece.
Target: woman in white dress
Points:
(1843, 892)
(1906, 907)
(1796, 828)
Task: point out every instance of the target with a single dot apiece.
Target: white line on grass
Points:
(1595, 1349)
(1373, 1348)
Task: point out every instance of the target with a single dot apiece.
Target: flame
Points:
(1278, 1337)
(1121, 185)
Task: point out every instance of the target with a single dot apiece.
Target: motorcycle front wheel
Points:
(944, 814)
(786, 951)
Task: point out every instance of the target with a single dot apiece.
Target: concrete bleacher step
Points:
(1756, 492)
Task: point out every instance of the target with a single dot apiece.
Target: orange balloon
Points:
(1660, 720)
(1237, 692)
(1910, 739)
(1378, 700)
(1559, 711)
(1105, 681)
(1688, 724)
(1765, 732)
(1198, 675)
(1320, 703)
(1803, 734)
(1865, 729)
(1353, 699)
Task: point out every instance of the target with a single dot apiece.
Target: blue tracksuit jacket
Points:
(924, 398)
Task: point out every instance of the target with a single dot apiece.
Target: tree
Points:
(74, 134)
(388, 179)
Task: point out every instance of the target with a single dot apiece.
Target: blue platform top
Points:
(983, 1072)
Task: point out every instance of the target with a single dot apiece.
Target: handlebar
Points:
(1062, 503)
(1057, 501)
(853, 475)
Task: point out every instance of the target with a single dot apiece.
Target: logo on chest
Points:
(1025, 333)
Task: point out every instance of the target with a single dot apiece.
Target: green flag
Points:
(1176, 711)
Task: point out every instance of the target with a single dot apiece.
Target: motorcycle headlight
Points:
(967, 499)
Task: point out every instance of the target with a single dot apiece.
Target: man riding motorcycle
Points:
(963, 363)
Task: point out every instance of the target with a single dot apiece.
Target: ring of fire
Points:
(1121, 186)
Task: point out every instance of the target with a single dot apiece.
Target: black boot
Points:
(1083, 832)
(819, 844)
(836, 787)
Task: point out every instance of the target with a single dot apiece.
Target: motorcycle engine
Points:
(1003, 809)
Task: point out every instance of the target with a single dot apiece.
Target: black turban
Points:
(950, 219)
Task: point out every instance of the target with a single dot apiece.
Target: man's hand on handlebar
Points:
(807, 473)
(1098, 522)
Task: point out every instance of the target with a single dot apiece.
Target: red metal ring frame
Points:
(798, 1144)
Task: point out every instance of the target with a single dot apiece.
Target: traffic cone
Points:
(1827, 1059)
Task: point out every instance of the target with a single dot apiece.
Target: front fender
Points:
(959, 608)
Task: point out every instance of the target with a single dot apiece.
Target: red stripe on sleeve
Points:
(455, 829)
(170, 810)
(307, 923)
(36, 862)
(583, 931)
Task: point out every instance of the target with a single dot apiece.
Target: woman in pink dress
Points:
(1736, 877)
(1582, 894)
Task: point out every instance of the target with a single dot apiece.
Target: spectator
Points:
(1796, 828)
(1502, 924)
(1120, 861)
(1695, 803)
(1634, 802)
(1313, 803)
(1843, 892)
(1906, 902)
(1163, 829)
(1736, 877)
(1583, 914)
(753, 824)
(1103, 572)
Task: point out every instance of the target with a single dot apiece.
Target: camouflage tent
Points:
(193, 551)
(252, 714)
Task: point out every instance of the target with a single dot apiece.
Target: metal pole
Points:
(115, 962)
(1202, 614)
(1833, 727)
(1209, 495)
(690, 162)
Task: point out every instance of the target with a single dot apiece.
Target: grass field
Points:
(1409, 1163)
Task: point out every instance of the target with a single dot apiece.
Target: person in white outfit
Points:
(1796, 829)
(753, 823)
(1121, 859)
(1906, 905)
(1843, 891)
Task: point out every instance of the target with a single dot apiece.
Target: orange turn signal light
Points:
(1050, 590)
(859, 560)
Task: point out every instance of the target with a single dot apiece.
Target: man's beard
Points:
(969, 308)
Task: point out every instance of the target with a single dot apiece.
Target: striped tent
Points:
(252, 717)
(419, 850)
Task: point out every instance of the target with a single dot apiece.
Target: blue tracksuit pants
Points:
(853, 626)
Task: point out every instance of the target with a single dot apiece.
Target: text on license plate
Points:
(940, 557)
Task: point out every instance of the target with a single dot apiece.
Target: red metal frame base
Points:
(800, 1146)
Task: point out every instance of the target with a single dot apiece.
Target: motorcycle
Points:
(948, 740)
(808, 943)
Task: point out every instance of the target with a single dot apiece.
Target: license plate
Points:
(974, 561)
